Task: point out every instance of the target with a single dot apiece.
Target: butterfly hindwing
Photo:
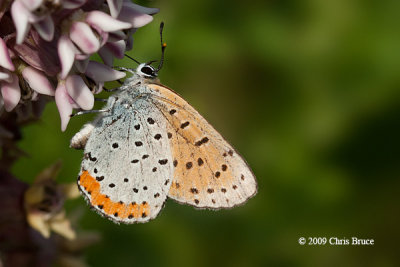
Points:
(208, 172)
(127, 168)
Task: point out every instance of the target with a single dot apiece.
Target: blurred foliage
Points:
(308, 92)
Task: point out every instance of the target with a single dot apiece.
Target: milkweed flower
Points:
(46, 45)
(35, 230)
(44, 201)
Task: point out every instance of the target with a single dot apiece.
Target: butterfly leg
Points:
(111, 90)
(110, 106)
(83, 112)
(125, 69)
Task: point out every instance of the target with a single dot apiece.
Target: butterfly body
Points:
(150, 144)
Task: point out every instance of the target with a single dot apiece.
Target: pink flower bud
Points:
(102, 73)
(116, 36)
(38, 81)
(5, 59)
(84, 38)
(6, 76)
(45, 28)
(117, 48)
(106, 56)
(115, 7)
(20, 17)
(106, 22)
(66, 53)
(63, 104)
(81, 65)
(79, 92)
(141, 9)
(135, 18)
(11, 93)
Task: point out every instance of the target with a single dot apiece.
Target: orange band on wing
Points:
(109, 207)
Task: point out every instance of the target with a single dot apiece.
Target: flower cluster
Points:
(44, 201)
(45, 49)
(35, 230)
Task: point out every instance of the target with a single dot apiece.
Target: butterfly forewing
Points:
(208, 172)
(127, 169)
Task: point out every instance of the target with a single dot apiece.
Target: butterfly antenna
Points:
(128, 56)
(163, 46)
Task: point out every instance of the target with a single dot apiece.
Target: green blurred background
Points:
(308, 92)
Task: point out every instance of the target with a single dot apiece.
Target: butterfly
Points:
(148, 144)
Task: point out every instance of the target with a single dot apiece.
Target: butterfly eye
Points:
(148, 71)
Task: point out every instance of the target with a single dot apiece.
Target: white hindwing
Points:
(128, 156)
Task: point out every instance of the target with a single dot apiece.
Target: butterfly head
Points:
(145, 70)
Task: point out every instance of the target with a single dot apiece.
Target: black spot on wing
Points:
(189, 165)
(184, 125)
(150, 120)
(194, 190)
(202, 141)
(163, 161)
(138, 143)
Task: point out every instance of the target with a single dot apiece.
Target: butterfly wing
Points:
(127, 167)
(208, 171)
